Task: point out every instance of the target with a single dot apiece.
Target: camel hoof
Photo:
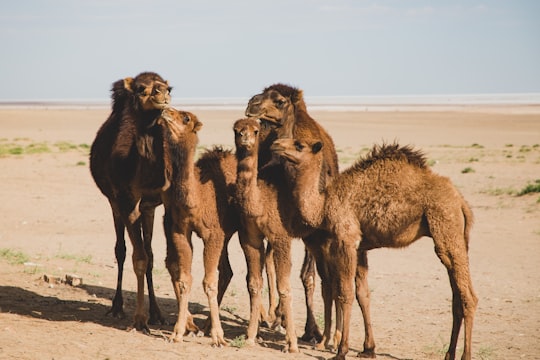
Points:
(367, 354)
(116, 313)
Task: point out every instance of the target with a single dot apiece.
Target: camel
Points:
(279, 109)
(263, 197)
(390, 198)
(199, 199)
(126, 162)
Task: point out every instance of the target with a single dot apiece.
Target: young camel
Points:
(264, 200)
(388, 199)
(199, 199)
(282, 112)
(126, 162)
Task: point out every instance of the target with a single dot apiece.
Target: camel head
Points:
(146, 92)
(275, 104)
(180, 124)
(246, 134)
(297, 151)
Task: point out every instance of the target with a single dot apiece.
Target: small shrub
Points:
(530, 188)
(239, 341)
(467, 170)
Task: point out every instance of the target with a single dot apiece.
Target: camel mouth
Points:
(281, 150)
(161, 105)
(268, 122)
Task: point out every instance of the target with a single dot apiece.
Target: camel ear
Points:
(128, 83)
(298, 95)
(316, 147)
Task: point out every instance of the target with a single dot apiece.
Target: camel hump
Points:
(393, 152)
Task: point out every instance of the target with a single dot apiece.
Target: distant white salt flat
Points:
(334, 103)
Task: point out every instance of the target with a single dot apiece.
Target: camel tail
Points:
(469, 220)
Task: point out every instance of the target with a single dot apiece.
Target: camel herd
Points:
(281, 183)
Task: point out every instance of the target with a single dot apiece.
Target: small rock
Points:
(73, 280)
(52, 279)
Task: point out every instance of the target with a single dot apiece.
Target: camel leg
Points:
(224, 279)
(362, 296)
(282, 262)
(345, 261)
(453, 254)
(117, 309)
(271, 319)
(328, 300)
(178, 262)
(307, 274)
(253, 247)
(129, 209)
(147, 217)
(211, 257)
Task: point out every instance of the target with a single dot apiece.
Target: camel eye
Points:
(280, 102)
(169, 89)
(256, 132)
(186, 119)
(141, 90)
(298, 146)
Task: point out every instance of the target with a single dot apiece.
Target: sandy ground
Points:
(53, 215)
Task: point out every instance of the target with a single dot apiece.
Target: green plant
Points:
(14, 257)
(530, 188)
(239, 341)
(467, 170)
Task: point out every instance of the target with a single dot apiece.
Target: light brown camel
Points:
(126, 162)
(199, 199)
(280, 108)
(264, 200)
(390, 198)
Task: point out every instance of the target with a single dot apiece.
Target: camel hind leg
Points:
(362, 296)
(451, 248)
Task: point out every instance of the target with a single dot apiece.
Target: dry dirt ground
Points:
(55, 222)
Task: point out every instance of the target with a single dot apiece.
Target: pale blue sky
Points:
(68, 49)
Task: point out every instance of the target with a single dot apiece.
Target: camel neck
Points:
(247, 191)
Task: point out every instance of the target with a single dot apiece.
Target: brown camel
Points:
(264, 200)
(126, 162)
(282, 112)
(199, 199)
(390, 198)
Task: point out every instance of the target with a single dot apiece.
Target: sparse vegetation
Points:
(467, 170)
(23, 146)
(530, 188)
(13, 257)
(239, 341)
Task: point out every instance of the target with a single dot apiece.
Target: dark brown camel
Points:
(126, 162)
(390, 198)
(279, 108)
(199, 199)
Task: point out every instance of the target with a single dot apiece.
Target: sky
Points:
(72, 49)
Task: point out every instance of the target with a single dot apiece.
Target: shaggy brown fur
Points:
(126, 162)
(200, 200)
(264, 198)
(283, 114)
(389, 199)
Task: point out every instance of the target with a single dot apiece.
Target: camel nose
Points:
(253, 107)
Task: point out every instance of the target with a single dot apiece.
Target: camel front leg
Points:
(362, 296)
(179, 258)
(345, 261)
(282, 261)
(147, 218)
(211, 256)
(307, 274)
(252, 244)
(272, 320)
(117, 309)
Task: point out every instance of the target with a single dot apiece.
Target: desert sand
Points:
(54, 222)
